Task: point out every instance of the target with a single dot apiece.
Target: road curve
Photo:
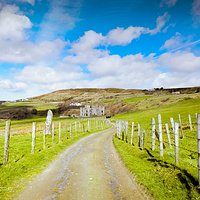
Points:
(88, 170)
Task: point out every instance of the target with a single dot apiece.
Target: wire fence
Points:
(18, 141)
(162, 143)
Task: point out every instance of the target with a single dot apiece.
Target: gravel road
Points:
(88, 170)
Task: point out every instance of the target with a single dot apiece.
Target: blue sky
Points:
(47, 45)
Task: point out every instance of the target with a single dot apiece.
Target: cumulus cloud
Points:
(181, 61)
(88, 41)
(168, 3)
(176, 79)
(86, 48)
(117, 36)
(116, 65)
(13, 86)
(13, 24)
(29, 52)
(121, 36)
(42, 74)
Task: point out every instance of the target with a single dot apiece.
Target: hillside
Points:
(115, 101)
(87, 94)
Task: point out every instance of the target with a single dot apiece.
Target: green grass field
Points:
(37, 105)
(160, 175)
(136, 99)
(23, 165)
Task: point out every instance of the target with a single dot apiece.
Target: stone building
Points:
(90, 111)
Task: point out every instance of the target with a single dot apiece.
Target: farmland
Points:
(22, 164)
(160, 175)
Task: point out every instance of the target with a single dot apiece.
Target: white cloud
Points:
(32, 2)
(83, 51)
(28, 52)
(196, 11)
(121, 36)
(176, 79)
(15, 45)
(160, 23)
(174, 42)
(118, 36)
(88, 41)
(179, 42)
(180, 61)
(132, 71)
(13, 24)
(41, 74)
(13, 86)
(61, 17)
(169, 3)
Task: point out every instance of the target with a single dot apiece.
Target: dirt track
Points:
(88, 170)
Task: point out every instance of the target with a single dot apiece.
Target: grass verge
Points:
(163, 180)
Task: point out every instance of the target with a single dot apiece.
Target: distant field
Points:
(136, 99)
(37, 105)
(183, 107)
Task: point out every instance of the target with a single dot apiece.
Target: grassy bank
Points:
(160, 175)
(162, 179)
(23, 165)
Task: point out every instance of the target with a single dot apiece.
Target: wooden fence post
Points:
(198, 143)
(59, 132)
(33, 137)
(180, 124)
(126, 130)
(190, 121)
(52, 133)
(6, 142)
(153, 134)
(132, 132)
(168, 135)
(75, 127)
(172, 123)
(160, 134)
(139, 142)
(122, 129)
(176, 142)
(143, 137)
